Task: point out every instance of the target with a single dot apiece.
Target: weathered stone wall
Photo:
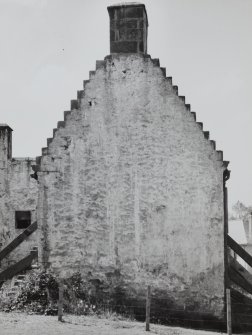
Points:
(19, 194)
(130, 184)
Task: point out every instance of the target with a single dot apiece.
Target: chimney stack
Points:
(5, 144)
(128, 28)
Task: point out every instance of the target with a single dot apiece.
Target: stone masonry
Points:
(129, 187)
(18, 192)
(131, 183)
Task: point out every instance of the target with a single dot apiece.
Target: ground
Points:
(23, 324)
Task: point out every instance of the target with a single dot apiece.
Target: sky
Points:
(48, 47)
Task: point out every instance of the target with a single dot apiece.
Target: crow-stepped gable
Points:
(129, 191)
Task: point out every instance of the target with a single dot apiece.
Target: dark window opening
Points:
(22, 219)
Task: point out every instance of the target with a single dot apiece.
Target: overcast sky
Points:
(48, 48)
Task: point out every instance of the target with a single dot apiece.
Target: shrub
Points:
(39, 294)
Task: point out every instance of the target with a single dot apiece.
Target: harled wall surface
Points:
(19, 192)
(130, 184)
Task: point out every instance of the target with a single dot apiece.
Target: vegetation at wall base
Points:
(38, 294)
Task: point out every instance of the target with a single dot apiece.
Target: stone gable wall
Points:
(131, 184)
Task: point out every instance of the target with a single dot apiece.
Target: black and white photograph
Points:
(125, 167)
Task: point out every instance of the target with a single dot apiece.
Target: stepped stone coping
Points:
(175, 89)
(49, 140)
(206, 134)
(44, 151)
(163, 69)
(61, 124)
(200, 125)
(91, 74)
(80, 94)
(213, 143)
(156, 61)
(74, 104)
(220, 154)
(85, 82)
(66, 113)
(169, 79)
(99, 64)
(182, 98)
(188, 107)
(194, 115)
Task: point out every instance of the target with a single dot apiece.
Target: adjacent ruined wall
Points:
(130, 184)
(18, 192)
